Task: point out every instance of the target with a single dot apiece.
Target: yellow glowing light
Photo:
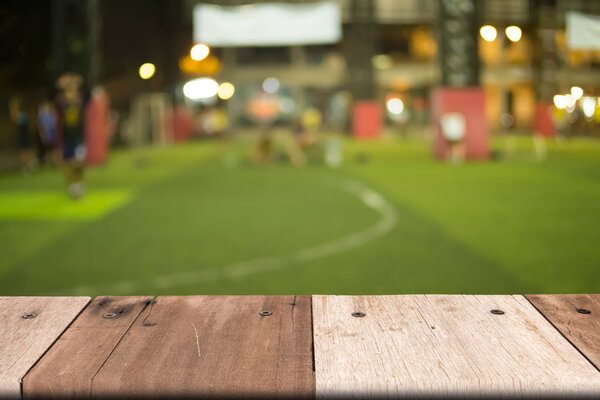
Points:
(488, 33)
(513, 33)
(147, 70)
(199, 52)
(576, 92)
(226, 91)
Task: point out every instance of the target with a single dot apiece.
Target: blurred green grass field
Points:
(188, 219)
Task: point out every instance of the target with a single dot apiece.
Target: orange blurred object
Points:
(264, 107)
(207, 66)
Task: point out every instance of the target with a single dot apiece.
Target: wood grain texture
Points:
(214, 346)
(23, 341)
(69, 367)
(443, 346)
(582, 330)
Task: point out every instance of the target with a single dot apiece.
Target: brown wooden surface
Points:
(443, 346)
(69, 367)
(24, 340)
(213, 345)
(421, 345)
(583, 330)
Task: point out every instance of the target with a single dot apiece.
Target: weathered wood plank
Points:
(28, 327)
(214, 345)
(68, 369)
(432, 345)
(569, 314)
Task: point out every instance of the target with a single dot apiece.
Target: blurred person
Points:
(47, 127)
(21, 119)
(221, 122)
(214, 122)
(70, 104)
(264, 108)
(295, 151)
(333, 151)
(454, 129)
(311, 120)
(208, 122)
(263, 152)
(310, 127)
(339, 108)
(560, 119)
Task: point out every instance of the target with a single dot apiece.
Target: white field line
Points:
(372, 199)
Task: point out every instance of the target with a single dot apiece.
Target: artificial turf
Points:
(195, 218)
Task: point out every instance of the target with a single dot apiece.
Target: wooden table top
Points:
(300, 346)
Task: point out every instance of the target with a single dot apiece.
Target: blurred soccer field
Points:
(198, 219)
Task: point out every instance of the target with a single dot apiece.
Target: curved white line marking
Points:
(371, 199)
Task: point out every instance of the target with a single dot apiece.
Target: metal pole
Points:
(94, 11)
(459, 52)
(361, 49)
(58, 38)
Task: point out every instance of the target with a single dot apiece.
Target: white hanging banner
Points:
(267, 24)
(583, 31)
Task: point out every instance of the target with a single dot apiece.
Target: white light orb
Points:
(513, 33)
(395, 106)
(199, 52)
(200, 88)
(588, 104)
(270, 85)
(560, 101)
(576, 92)
(570, 99)
(488, 33)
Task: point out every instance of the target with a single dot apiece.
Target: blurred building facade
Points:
(392, 47)
(389, 48)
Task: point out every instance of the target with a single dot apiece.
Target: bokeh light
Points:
(588, 105)
(576, 92)
(226, 90)
(395, 106)
(270, 85)
(560, 101)
(147, 70)
(513, 33)
(200, 88)
(570, 100)
(199, 52)
(488, 33)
